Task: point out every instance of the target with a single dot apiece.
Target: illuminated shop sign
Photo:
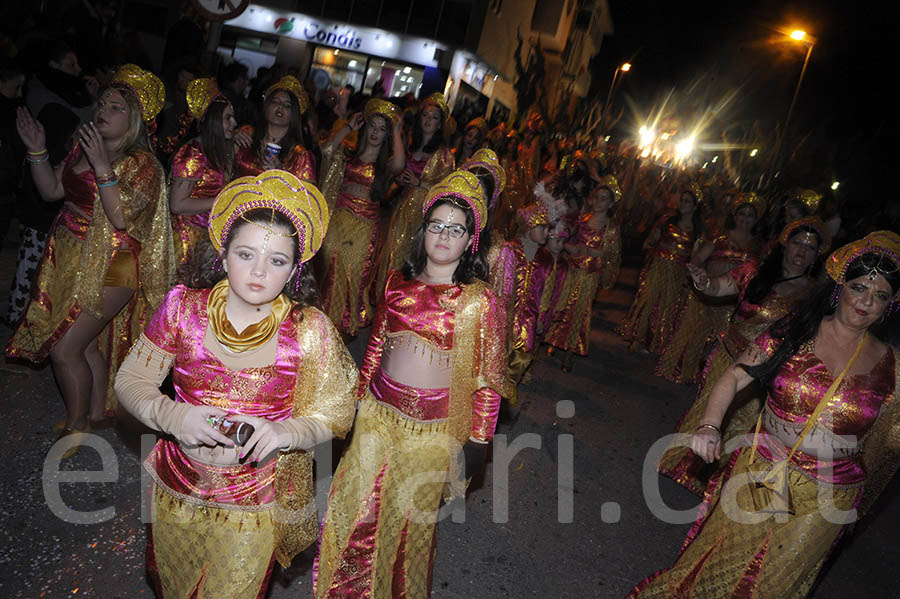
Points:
(368, 40)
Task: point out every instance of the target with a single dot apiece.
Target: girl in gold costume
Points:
(430, 391)
(109, 260)
(428, 160)
(202, 166)
(703, 318)
(660, 293)
(354, 183)
(245, 346)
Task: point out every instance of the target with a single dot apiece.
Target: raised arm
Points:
(47, 179)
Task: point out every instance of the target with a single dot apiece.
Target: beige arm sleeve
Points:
(306, 432)
(137, 386)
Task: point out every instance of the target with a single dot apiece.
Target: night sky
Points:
(704, 49)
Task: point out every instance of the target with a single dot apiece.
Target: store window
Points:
(344, 67)
(398, 79)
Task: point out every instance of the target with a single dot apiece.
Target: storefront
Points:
(335, 54)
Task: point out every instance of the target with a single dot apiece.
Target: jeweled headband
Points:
(884, 243)
(300, 201)
(813, 222)
(462, 186)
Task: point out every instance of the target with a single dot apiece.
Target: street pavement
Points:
(565, 516)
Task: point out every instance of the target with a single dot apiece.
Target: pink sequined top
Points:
(354, 194)
(300, 162)
(593, 239)
(725, 250)
(190, 162)
(427, 312)
(674, 243)
(802, 382)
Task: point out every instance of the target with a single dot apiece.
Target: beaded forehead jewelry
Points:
(270, 229)
(884, 243)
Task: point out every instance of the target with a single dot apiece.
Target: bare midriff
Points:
(819, 443)
(413, 361)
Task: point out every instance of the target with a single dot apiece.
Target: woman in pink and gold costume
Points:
(703, 318)
(202, 166)
(766, 294)
(251, 349)
(428, 160)
(354, 183)
(661, 291)
(280, 127)
(825, 445)
(595, 255)
(109, 260)
(429, 390)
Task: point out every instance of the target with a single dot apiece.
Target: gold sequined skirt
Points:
(681, 358)
(378, 536)
(204, 552)
(570, 328)
(771, 559)
(660, 297)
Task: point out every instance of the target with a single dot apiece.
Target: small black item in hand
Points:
(239, 432)
(473, 456)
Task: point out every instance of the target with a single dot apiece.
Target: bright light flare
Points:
(645, 153)
(684, 147)
(835, 185)
(715, 159)
(647, 136)
(626, 67)
(798, 34)
(754, 152)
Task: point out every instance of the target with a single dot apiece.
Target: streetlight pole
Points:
(799, 36)
(625, 67)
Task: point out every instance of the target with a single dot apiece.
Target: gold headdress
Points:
(808, 198)
(149, 89)
(695, 190)
(610, 183)
(883, 243)
(487, 159)
(533, 215)
(382, 107)
(290, 84)
(463, 186)
(437, 99)
(753, 199)
(813, 222)
(200, 94)
(300, 201)
(479, 123)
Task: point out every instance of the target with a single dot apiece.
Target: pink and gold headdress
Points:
(533, 215)
(280, 191)
(884, 243)
(463, 187)
(813, 222)
(487, 159)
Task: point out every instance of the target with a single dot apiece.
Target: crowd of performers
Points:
(222, 287)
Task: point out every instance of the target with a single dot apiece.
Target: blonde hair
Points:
(136, 135)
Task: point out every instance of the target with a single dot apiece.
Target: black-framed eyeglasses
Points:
(437, 227)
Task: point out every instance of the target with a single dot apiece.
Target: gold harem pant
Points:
(378, 537)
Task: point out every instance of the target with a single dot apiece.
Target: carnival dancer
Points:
(522, 172)
(704, 317)
(278, 140)
(766, 294)
(824, 447)
(202, 166)
(245, 346)
(109, 260)
(660, 295)
(355, 183)
(471, 141)
(428, 161)
(430, 390)
(595, 255)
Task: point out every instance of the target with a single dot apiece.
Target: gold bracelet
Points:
(711, 426)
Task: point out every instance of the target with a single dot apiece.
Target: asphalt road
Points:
(564, 516)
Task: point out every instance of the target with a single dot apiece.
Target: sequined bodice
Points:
(190, 162)
(356, 188)
(589, 237)
(676, 241)
(424, 310)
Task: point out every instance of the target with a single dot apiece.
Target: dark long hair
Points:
(462, 141)
(204, 267)
(802, 324)
(294, 135)
(770, 272)
(436, 141)
(696, 217)
(382, 178)
(218, 150)
(472, 265)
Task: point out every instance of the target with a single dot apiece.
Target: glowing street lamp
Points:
(835, 185)
(624, 68)
(754, 152)
(798, 34)
(647, 135)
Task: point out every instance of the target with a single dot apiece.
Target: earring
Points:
(836, 296)
(217, 265)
